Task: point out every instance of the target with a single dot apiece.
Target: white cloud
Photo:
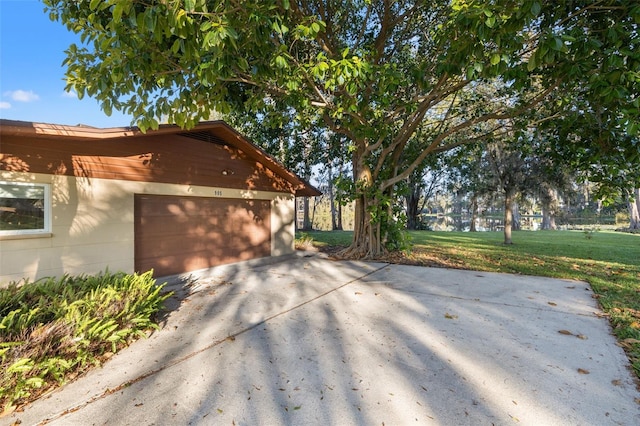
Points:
(5, 105)
(23, 96)
(71, 94)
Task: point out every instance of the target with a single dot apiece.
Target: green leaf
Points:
(495, 59)
(557, 44)
(536, 8)
(94, 4)
(117, 12)
(281, 62)
(21, 366)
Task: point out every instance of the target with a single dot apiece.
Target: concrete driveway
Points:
(310, 341)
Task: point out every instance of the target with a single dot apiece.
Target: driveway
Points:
(309, 341)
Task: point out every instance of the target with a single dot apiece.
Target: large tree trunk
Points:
(335, 224)
(306, 219)
(634, 210)
(548, 219)
(474, 213)
(549, 201)
(508, 216)
(516, 222)
(366, 234)
(413, 203)
(367, 241)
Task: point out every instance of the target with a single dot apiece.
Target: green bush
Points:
(622, 218)
(52, 329)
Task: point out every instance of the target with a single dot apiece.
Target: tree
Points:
(294, 140)
(634, 209)
(422, 185)
(375, 70)
(509, 170)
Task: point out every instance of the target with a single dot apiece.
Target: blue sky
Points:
(31, 73)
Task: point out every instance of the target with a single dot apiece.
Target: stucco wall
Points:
(93, 225)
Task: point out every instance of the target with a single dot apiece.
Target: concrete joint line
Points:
(168, 365)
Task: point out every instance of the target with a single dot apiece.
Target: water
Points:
(483, 223)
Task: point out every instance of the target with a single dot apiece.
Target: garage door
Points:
(180, 234)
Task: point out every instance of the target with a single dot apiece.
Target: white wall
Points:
(93, 225)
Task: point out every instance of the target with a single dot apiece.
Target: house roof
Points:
(204, 130)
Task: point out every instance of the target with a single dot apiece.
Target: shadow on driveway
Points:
(307, 340)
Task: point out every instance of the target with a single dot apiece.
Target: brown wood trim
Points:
(220, 130)
(166, 159)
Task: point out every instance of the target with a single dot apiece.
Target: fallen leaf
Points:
(582, 337)
(447, 315)
(552, 303)
(616, 382)
(565, 332)
(583, 371)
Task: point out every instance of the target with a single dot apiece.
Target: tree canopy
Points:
(400, 80)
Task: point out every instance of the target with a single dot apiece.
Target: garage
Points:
(170, 199)
(174, 234)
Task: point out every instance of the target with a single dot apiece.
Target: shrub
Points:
(304, 242)
(52, 329)
(622, 218)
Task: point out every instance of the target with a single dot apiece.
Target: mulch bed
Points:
(415, 258)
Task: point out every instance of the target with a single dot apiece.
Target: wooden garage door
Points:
(180, 234)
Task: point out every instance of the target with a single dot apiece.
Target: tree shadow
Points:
(313, 341)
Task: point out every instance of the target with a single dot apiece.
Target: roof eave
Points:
(25, 128)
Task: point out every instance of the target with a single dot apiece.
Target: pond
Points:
(442, 222)
(483, 223)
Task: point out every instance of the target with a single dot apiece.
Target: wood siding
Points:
(178, 234)
(189, 159)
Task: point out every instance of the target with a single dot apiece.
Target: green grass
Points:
(609, 261)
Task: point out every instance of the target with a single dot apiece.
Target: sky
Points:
(32, 78)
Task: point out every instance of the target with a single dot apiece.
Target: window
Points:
(25, 208)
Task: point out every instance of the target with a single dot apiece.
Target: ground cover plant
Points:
(609, 261)
(54, 329)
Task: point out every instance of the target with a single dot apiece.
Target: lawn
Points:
(609, 261)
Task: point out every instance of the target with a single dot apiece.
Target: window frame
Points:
(26, 233)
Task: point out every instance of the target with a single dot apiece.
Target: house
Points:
(77, 199)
